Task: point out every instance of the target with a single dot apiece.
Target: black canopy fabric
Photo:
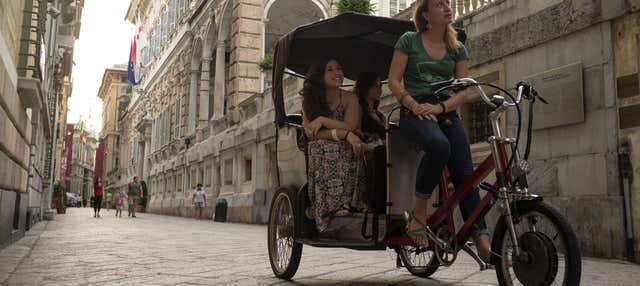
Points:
(359, 42)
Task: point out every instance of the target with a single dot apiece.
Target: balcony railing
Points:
(32, 39)
(462, 8)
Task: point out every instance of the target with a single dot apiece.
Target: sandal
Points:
(418, 235)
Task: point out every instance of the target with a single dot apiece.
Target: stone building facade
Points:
(201, 113)
(35, 65)
(80, 174)
(115, 93)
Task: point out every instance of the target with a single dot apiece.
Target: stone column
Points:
(219, 90)
(261, 161)
(204, 94)
(245, 78)
(140, 160)
(193, 93)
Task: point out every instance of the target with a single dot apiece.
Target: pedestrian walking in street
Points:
(198, 199)
(119, 202)
(134, 196)
(97, 197)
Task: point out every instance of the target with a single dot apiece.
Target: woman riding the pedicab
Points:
(330, 117)
(433, 54)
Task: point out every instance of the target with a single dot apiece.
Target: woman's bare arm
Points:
(396, 73)
(351, 115)
(461, 97)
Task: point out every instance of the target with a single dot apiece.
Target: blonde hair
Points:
(450, 35)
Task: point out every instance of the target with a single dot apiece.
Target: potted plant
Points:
(266, 63)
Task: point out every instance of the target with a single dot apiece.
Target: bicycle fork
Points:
(494, 141)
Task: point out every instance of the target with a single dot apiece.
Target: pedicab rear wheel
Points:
(284, 251)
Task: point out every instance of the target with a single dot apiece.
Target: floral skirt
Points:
(336, 179)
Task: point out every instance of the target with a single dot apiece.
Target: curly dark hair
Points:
(314, 99)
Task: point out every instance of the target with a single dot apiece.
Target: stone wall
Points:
(15, 127)
(627, 54)
(575, 165)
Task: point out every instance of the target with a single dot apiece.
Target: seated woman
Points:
(335, 169)
(368, 88)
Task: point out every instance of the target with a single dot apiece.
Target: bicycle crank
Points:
(447, 252)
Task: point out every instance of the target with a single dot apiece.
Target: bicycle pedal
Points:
(487, 187)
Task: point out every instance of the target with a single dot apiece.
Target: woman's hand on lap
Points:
(356, 143)
(313, 127)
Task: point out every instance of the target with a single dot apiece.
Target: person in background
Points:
(119, 202)
(97, 194)
(134, 196)
(198, 199)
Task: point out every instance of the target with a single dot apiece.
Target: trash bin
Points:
(221, 210)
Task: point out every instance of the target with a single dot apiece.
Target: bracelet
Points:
(347, 134)
(411, 104)
(403, 94)
(444, 107)
(334, 135)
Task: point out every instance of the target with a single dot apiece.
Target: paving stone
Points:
(77, 249)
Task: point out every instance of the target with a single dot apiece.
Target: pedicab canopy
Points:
(359, 42)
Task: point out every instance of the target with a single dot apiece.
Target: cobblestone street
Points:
(77, 249)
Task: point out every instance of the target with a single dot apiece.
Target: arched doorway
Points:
(282, 16)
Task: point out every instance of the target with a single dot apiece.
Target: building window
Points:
(184, 5)
(397, 6)
(176, 132)
(165, 26)
(218, 176)
(194, 178)
(228, 172)
(208, 176)
(173, 10)
(247, 170)
(479, 126)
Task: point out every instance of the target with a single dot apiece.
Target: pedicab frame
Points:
(365, 43)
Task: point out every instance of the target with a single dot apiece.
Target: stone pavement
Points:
(77, 249)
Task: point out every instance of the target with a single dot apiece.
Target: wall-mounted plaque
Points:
(562, 88)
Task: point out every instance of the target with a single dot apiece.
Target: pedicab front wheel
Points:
(284, 251)
(549, 249)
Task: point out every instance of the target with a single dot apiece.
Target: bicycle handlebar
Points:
(524, 90)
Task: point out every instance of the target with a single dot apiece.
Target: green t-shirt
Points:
(421, 69)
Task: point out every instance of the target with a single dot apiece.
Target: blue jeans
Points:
(442, 146)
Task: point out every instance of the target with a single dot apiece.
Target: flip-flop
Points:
(418, 235)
